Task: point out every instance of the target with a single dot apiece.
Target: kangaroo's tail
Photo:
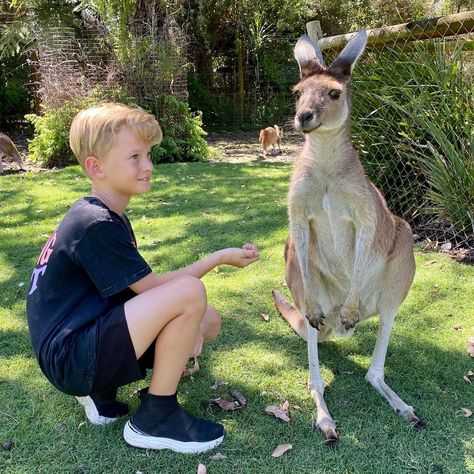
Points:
(290, 314)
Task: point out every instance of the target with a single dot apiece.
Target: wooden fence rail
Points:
(458, 24)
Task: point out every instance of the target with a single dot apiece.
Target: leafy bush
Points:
(183, 134)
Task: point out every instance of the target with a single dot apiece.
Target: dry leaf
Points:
(238, 396)
(470, 346)
(446, 247)
(217, 457)
(265, 316)
(278, 413)
(82, 423)
(202, 469)
(465, 412)
(295, 407)
(227, 405)
(457, 327)
(430, 262)
(281, 450)
(217, 384)
(466, 379)
(193, 368)
(348, 373)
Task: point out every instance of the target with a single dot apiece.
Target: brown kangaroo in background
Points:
(270, 136)
(8, 149)
(347, 256)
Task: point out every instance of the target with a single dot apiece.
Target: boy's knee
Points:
(193, 289)
(213, 324)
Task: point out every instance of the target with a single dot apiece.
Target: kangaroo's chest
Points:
(329, 211)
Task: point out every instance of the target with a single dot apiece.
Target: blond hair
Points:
(94, 130)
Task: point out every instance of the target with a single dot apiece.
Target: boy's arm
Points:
(230, 256)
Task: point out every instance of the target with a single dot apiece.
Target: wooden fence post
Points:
(314, 30)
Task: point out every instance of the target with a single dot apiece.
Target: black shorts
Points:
(96, 358)
(116, 363)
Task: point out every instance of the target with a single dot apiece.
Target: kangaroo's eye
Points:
(334, 94)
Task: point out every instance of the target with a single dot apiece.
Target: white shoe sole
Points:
(92, 413)
(140, 440)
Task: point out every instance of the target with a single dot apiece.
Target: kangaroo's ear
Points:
(346, 60)
(309, 57)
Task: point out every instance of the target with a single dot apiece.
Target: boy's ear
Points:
(92, 166)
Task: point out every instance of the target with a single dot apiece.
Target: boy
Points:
(98, 316)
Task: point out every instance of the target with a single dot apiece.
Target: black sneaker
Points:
(102, 408)
(170, 427)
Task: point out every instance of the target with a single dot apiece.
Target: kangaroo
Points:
(347, 256)
(8, 149)
(270, 136)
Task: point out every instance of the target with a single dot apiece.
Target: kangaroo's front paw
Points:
(315, 316)
(350, 316)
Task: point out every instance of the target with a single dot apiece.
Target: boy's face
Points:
(127, 167)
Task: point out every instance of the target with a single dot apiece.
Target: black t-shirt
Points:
(83, 271)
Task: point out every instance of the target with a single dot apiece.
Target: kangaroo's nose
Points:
(305, 117)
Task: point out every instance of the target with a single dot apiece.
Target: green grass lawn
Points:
(193, 210)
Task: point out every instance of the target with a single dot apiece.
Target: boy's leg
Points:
(210, 327)
(172, 315)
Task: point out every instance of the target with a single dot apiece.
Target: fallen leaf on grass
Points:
(430, 263)
(465, 412)
(470, 346)
(277, 412)
(227, 405)
(7, 446)
(192, 369)
(238, 396)
(81, 424)
(281, 450)
(286, 406)
(348, 373)
(265, 317)
(295, 407)
(217, 384)
(196, 250)
(217, 457)
(202, 469)
(457, 327)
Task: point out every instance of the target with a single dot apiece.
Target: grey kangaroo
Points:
(8, 149)
(347, 256)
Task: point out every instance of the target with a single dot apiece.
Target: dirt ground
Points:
(243, 147)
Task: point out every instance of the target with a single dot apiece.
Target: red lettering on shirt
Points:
(47, 250)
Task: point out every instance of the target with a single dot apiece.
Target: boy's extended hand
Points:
(239, 257)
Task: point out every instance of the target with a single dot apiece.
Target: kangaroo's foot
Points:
(350, 316)
(315, 317)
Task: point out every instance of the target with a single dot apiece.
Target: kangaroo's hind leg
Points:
(396, 282)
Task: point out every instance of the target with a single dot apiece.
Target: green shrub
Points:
(183, 135)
